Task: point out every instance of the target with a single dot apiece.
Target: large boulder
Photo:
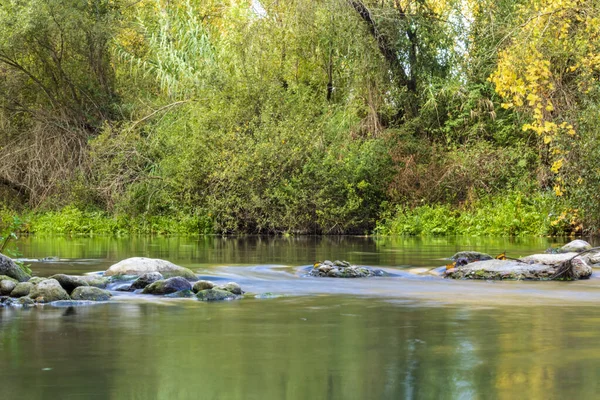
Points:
(69, 282)
(47, 291)
(9, 268)
(167, 286)
(7, 284)
(576, 246)
(138, 266)
(536, 267)
(90, 293)
(146, 279)
(215, 295)
(22, 289)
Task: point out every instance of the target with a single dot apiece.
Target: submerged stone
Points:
(215, 295)
(90, 293)
(141, 265)
(181, 294)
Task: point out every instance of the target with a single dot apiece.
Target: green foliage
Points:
(512, 214)
(10, 232)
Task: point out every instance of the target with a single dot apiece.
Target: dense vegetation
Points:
(301, 116)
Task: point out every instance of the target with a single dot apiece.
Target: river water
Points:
(400, 337)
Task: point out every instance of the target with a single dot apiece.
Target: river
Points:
(400, 337)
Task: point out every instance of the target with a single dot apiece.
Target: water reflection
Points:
(326, 347)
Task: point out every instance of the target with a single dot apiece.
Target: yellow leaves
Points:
(547, 139)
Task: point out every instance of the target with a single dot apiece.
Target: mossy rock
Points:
(146, 279)
(471, 256)
(47, 291)
(70, 282)
(203, 285)
(7, 285)
(36, 279)
(139, 266)
(10, 268)
(215, 295)
(90, 293)
(231, 287)
(22, 289)
(181, 294)
(167, 286)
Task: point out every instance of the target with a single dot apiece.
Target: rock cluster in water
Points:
(150, 276)
(534, 267)
(342, 269)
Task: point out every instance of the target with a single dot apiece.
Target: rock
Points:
(471, 256)
(124, 287)
(167, 286)
(231, 287)
(515, 270)
(140, 265)
(72, 303)
(9, 268)
(6, 301)
(69, 282)
(47, 291)
(95, 281)
(146, 279)
(215, 295)
(26, 302)
(342, 269)
(22, 289)
(576, 246)
(547, 259)
(90, 293)
(7, 284)
(180, 294)
(203, 285)
(36, 279)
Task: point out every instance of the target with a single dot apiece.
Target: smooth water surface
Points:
(399, 337)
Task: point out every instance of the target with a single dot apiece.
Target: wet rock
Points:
(203, 285)
(36, 279)
(215, 295)
(140, 265)
(7, 284)
(167, 286)
(6, 301)
(576, 246)
(342, 269)
(72, 303)
(26, 302)
(90, 293)
(531, 269)
(231, 287)
(146, 279)
(124, 287)
(22, 289)
(471, 256)
(181, 294)
(69, 282)
(9, 268)
(96, 281)
(47, 291)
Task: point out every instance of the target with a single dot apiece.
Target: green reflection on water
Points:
(325, 347)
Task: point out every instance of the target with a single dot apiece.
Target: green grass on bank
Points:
(514, 214)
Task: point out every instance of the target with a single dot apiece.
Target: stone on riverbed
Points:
(140, 265)
(146, 279)
(167, 286)
(532, 269)
(231, 287)
(342, 269)
(576, 246)
(203, 285)
(7, 284)
(70, 282)
(471, 256)
(90, 293)
(47, 291)
(22, 289)
(215, 295)
(9, 268)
